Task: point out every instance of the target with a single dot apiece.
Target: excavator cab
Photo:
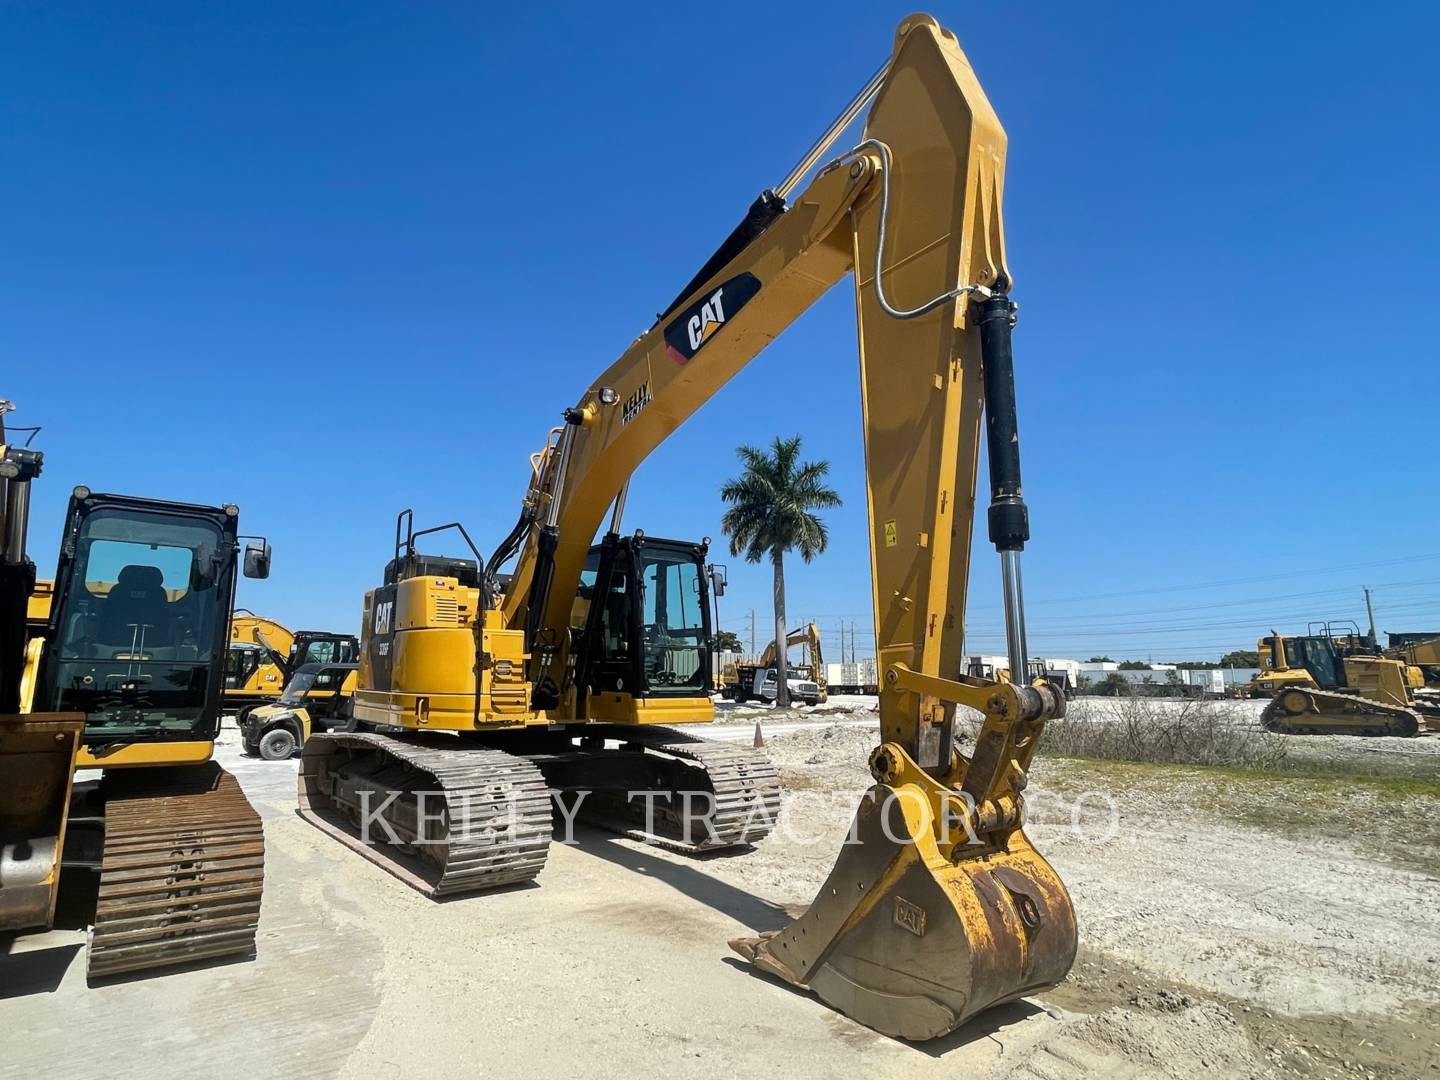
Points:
(641, 620)
(323, 647)
(138, 624)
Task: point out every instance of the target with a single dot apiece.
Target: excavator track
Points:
(736, 789)
(491, 829)
(1306, 711)
(181, 870)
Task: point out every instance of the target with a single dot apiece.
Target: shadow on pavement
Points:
(985, 1026)
(38, 971)
(759, 915)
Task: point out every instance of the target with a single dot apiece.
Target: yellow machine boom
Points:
(943, 908)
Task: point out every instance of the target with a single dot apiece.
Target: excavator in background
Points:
(567, 672)
(1421, 653)
(758, 681)
(1334, 682)
(123, 675)
(263, 655)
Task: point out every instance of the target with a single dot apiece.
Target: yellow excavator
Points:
(117, 668)
(264, 654)
(1333, 681)
(567, 673)
(1421, 654)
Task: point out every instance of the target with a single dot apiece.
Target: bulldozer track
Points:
(1360, 715)
(181, 871)
(743, 783)
(496, 814)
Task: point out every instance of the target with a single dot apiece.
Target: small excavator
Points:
(117, 668)
(1332, 681)
(568, 673)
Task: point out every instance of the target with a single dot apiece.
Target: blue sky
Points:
(330, 260)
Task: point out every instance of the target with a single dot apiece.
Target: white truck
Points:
(754, 683)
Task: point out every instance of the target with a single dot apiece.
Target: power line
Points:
(1244, 580)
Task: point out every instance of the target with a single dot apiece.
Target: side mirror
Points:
(257, 560)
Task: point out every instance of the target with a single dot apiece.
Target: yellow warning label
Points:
(890, 534)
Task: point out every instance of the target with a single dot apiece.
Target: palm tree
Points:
(771, 511)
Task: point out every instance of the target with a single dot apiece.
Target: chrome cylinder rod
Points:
(562, 466)
(1014, 599)
(833, 132)
(619, 511)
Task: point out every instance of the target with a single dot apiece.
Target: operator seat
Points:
(137, 598)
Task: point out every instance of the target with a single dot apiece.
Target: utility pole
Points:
(1370, 610)
(753, 653)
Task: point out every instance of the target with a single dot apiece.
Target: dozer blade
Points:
(1303, 711)
(912, 945)
(37, 761)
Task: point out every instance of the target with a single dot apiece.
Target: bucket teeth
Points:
(913, 945)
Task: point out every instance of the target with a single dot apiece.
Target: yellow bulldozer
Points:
(1332, 681)
(569, 673)
(116, 669)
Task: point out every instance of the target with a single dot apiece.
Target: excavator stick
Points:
(37, 762)
(938, 906)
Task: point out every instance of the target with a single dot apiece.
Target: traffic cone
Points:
(759, 736)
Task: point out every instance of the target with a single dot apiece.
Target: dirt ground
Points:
(1231, 925)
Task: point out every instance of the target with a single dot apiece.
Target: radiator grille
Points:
(447, 610)
(507, 695)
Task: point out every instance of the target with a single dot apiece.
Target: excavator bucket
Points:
(37, 761)
(911, 944)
